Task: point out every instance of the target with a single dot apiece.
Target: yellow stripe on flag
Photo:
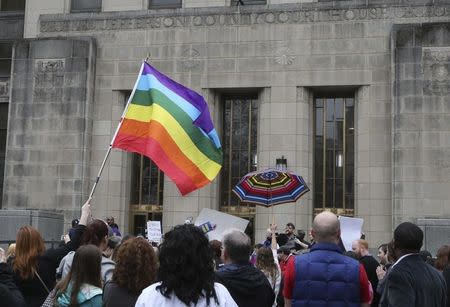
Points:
(139, 113)
(157, 113)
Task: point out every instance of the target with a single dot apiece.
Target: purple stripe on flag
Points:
(203, 120)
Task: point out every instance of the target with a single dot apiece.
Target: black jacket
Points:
(32, 289)
(9, 293)
(370, 265)
(247, 285)
(414, 283)
(446, 274)
(115, 296)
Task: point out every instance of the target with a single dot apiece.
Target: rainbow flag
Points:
(171, 125)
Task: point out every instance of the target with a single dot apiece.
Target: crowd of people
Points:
(98, 267)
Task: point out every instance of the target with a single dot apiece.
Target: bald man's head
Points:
(326, 228)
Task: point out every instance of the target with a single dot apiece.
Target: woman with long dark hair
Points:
(186, 273)
(34, 267)
(82, 286)
(135, 270)
(97, 234)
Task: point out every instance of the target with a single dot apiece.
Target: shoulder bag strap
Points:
(42, 282)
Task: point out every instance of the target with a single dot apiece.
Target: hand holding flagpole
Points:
(170, 124)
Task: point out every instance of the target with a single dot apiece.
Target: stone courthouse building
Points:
(352, 95)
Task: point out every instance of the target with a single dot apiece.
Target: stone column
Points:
(421, 125)
(285, 130)
(49, 127)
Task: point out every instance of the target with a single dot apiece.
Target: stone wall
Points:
(421, 124)
(284, 50)
(50, 224)
(50, 125)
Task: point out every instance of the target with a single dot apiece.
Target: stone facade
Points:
(393, 55)
(421, 129)
(49, 125)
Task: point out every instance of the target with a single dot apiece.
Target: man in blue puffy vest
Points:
(325, 277)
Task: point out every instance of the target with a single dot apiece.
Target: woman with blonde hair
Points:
(11, 252)
(34, 267)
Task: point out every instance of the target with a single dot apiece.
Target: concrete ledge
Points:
(49, 224)
(435, 233)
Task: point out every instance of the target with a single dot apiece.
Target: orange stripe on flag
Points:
(156, 131)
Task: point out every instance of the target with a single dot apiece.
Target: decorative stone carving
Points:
(436, 68)
(283, 56)
(190, 58)
(440, 72)
(295, 15)
(50, 66)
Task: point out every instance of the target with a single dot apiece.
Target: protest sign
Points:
(351, 229)
(221, 220)
(154, 231)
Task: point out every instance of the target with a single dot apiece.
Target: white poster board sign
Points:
(351, 229)
(154, 231)
(221, 220)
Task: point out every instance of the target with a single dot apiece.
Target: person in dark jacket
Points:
(247, 285)
(9, 293)
(361, 249)
(446, 273)
(74, 226)
(135, 270)
(411, 282)
(114, 226)
(34, 267)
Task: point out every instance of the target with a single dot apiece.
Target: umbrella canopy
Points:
(270, 187)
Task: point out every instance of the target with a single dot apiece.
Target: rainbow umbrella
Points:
(270, 187)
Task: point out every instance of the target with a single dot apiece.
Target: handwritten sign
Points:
(154, 231)
(222, 222)
(351, 228)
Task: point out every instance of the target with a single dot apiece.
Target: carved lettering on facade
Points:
(65, 23)
(50, 66)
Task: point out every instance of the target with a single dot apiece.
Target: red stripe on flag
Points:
(152, 149)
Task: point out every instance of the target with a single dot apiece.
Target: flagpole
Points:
(115, 133)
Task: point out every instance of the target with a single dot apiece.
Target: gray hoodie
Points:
(106, 270)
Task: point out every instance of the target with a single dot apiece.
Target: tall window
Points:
(80, 6)
(147, 185)
(3, 129)
(334, 155)
(12, 5)
(147, 182)
(164, 4)
(5, 75)
(5, 63)
(240, 129)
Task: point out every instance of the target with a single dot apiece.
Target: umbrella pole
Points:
(273, 217)
(270, 203)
